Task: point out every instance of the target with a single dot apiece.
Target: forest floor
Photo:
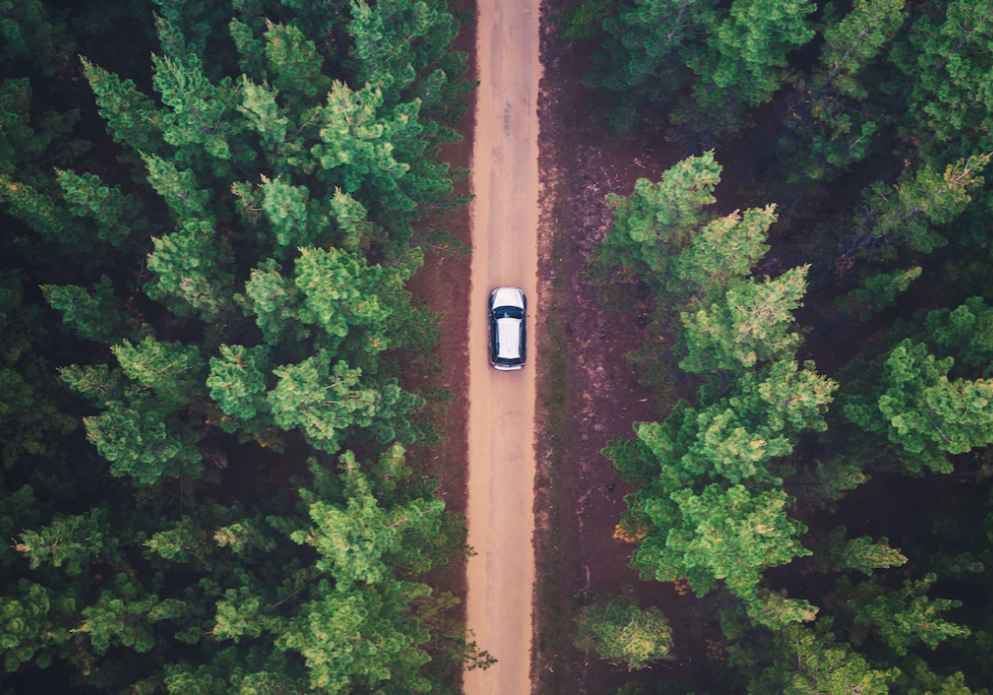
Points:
(587, 393)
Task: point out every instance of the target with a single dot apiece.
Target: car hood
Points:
(508, 296)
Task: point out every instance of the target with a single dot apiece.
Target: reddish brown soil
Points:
(443, 284)
(588, 395)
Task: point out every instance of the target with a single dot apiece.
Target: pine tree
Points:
(124, 616)
(360, 638)
(776, 611)
(324, 401)
(262, 114)
(32, 410)
(238, 615)
(809, 661)
(343, 294)
(192, 273)
(142, 442)
(28, 139)
(34, 625)
(723, 533)
(949, 95)
(199, 114)
(43, 215)
(723, 250)
(877, 292)
(908, 212)
(909, 400)
(649, 47)
(360, 542)
(834, 119)
(295, 63)
(657, 220)
(238, 383)
(744, 64)
(623, 634)
(965, 333)
(178, 186)
(173, 371)
(73, 541)
(750, 325)
(286, 208)
(30, 31)
(863, 554)
(736, 438)
(95, 317)
(354, 229)
(664, 233)
(402, 47)
(901, 618)
(116, 214)
(358, 141)
(924, 681)
(132, 117)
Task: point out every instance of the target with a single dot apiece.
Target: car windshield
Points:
(508, 312)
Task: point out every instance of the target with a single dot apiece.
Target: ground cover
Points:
(587, 393)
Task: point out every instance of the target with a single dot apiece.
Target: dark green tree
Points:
(99, 316)
(745, 62)
(862, 554)
(727, 534)
(647, 50)
(923, 415)
(948, 98)
(900, 618)
(360, 543)
(73, 541)
(811, 661)
(834, 123)
(877, 292)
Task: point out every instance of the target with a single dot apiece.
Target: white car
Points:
(508, 328)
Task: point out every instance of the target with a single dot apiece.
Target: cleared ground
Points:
(501, 404)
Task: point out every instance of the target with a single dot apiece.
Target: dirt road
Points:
(501, 404)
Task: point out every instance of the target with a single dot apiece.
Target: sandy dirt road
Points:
(500, 576)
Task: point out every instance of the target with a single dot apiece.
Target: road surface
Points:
(501, 404)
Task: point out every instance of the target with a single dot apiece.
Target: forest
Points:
(208, 210)
(866, 126)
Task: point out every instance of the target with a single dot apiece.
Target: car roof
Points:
(508, 338)
(508, 296)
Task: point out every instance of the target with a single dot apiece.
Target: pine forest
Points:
(212, 426)
(207, 211)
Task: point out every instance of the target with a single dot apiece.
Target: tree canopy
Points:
(206, 256)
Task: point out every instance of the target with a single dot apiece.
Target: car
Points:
(508, 328)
